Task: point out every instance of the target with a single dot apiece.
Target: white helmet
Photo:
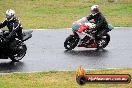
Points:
(94, 9)
(10, 14)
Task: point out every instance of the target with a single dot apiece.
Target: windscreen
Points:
(82, 20)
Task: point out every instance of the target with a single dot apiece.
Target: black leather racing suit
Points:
(15, 29)
(101, 23)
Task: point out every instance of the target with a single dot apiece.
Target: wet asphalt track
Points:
(46, 53)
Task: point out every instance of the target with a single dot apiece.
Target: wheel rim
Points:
(102, 43)
(70, 44)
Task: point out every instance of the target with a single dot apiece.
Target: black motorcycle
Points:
(15, 49)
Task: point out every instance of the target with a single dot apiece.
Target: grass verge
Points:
(57, 79)
(61, 13)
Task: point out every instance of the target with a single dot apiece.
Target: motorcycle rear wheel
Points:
(21, 52)
(104, 41)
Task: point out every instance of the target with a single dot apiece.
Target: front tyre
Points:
(20, 52)
(71, 42)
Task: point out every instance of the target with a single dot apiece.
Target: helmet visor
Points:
(93, 12)
(9, 17)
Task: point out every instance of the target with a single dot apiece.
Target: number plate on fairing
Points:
(110, 27)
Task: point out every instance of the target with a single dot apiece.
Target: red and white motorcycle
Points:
(81, 29)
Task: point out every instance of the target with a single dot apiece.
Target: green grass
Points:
(61, 13)
(57, 79)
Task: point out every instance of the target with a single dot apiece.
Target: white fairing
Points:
(91, 25)
(86, 22)
(82, 20)
(81, 35)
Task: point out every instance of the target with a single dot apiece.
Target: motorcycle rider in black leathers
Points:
(13, 24)
(101, 24)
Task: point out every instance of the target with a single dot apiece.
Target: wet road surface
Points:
(46, 53)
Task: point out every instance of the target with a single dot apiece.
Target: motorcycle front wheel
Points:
(20, 52)
(71, 42)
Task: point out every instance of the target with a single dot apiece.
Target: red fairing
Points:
(82, 28)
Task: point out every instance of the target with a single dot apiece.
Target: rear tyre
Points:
(20, 52)
(71, 42)
(103, 42)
